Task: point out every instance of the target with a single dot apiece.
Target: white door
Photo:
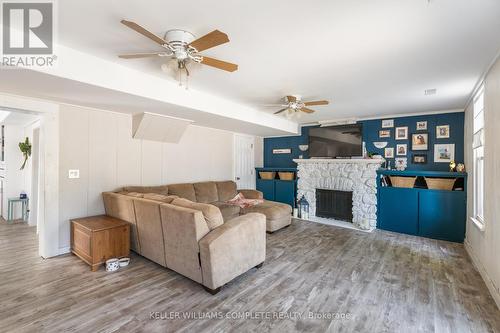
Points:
(244, 161)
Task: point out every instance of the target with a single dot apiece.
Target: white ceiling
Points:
(369, 57)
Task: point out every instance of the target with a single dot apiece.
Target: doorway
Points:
(244, 161)
(35, 171)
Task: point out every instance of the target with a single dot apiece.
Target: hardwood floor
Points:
(386, 282)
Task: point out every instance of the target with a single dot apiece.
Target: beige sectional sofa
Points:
(190, 228)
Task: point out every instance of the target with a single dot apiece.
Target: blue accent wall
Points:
(371, 130)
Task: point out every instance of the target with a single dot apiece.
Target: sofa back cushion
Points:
(150, 230)
(226, 190)
(206, 192)
(160, 197)
(162, 189)
(185, 191)
(122, 207)
(212, 214)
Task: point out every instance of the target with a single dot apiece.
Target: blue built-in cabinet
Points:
(438, 214)
(276, 189)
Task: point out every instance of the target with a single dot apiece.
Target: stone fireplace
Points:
(356, 176)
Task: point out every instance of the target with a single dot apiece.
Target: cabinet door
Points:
(442, 215)
(266, 187)
(284, 191)
(398, 210)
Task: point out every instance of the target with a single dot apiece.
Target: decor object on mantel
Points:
(303, 147)
(352, 175)
(25, 148)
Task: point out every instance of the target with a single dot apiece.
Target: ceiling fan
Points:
(182, 46)
(294, 104)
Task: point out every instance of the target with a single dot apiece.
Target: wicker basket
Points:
(286, 175)
(440, 183)
(406, 182)
(267, 174)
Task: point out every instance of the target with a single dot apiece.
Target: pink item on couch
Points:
(240, 200)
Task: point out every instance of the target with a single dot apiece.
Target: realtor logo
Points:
(28, 34)
(27, 28)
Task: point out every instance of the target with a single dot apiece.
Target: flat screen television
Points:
(336, 141)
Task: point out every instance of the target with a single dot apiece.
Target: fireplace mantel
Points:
(341, 160)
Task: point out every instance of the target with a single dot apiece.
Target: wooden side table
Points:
(98, 238)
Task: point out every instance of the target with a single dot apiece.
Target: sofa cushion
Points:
(134, 194)
(162, 189)
(185, 191)
(226, 190)
(206, 192)
(160, 197)
(228, 211)
(272, 210)
(212, 214)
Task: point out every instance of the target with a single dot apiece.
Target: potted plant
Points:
(25, 148)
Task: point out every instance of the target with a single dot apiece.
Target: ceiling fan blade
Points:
(144, 32)
(291, 99)
(141, 55)
(316, 103)
(306, 110)
(279, 111)
(227, 66)
(210, 40)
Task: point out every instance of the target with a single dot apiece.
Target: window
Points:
(478, 156)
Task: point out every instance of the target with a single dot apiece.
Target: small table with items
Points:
(24, 208)
(98, 238)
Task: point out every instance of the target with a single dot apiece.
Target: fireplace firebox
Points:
(334, 204)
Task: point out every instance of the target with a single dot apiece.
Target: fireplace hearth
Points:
(334, 204)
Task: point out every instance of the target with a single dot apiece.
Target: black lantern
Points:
(303, 206)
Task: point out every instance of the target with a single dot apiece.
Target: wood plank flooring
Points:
(385, 282)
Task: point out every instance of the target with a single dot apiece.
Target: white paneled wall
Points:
(100, 145)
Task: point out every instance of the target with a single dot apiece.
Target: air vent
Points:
(428, 92)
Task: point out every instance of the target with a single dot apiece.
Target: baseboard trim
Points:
(484, 274)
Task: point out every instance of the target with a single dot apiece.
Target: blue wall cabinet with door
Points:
(276, 189)
(423, 211)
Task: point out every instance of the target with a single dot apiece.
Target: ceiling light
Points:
(428, 92)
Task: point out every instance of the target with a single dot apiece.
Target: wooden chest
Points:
(98, 238)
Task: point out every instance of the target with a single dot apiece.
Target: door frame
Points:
(252, 158)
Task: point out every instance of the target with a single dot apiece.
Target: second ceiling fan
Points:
(182, 46)
(295, 104)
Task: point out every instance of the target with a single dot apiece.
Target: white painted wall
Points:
(14, 178)
(484, 246)
(100, 145)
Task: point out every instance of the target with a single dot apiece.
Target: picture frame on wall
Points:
(389, 152)
(442, 132)
(401, 149)
(387, 123)
(384, 133)
(444, 153)
(420, 141)
(421, 125)
(282, 151)
(419, 159)
(400, 163)
(401, 133)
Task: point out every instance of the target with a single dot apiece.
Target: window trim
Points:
(477, 220)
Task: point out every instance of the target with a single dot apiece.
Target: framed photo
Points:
(387, 123)
(400, 163)
(389, 153)
(401, 150)
(444, 153)
(443, 132)
(384, 134)
(401, 133)
(420, 141)
(282, 151)
(419, 159)
(421, 125)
